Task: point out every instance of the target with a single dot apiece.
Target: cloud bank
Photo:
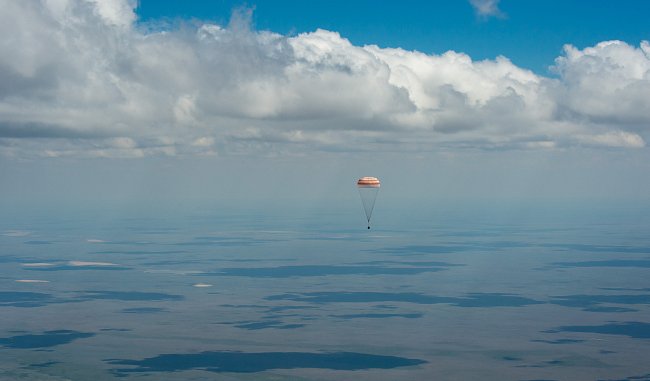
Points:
(84, 79)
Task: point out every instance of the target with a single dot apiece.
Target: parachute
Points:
(368, 189)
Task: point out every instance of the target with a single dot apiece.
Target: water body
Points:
(239, 296)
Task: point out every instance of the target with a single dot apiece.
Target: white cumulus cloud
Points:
(83, 79)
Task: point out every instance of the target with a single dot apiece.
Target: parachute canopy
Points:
(368, 182)
(368, 189)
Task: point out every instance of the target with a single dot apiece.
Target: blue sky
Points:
(202, 101)
(530, 33)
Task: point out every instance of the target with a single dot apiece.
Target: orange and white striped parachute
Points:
(368, 189)
(368, 182)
